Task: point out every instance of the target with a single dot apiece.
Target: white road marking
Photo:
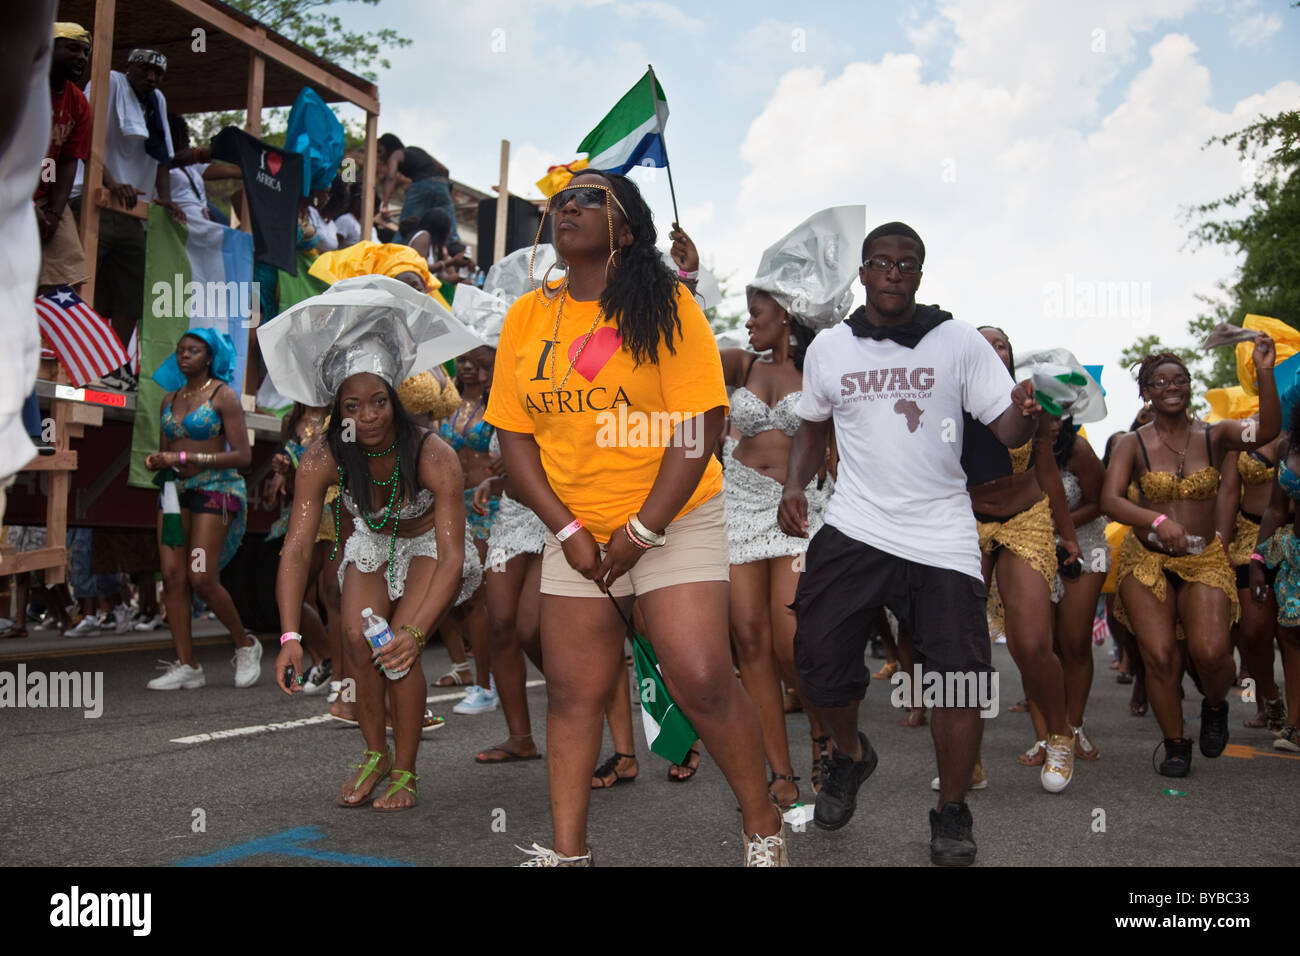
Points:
(303, 721)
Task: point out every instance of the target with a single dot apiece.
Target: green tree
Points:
(307, 23)
(1261, 221)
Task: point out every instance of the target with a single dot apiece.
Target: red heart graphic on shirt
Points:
(603, 344)
(274, 161)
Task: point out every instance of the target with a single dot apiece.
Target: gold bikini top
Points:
(1201, 485)
(1255, 469)
(1021, 456)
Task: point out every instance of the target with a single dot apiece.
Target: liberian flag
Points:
(632, 133)
(199, 274)
(84, 343)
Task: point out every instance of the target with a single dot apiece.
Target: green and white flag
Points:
(631, 134)
(667, 730)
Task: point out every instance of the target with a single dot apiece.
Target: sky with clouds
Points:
(1045, 152)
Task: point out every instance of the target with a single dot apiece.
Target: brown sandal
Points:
(607, 774)
(690, 765)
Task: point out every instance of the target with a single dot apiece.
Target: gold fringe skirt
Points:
(1028, 535)
(1210, 568)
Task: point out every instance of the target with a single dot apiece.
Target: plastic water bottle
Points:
(378, 633)
(1195, 543)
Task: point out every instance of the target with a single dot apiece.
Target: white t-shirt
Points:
(898, 426)
(124, 155)
(188, 189)
(349, 230)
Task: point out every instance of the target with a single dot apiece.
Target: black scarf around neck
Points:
(907, 334)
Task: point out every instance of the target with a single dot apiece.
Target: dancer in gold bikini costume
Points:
(1166, 592)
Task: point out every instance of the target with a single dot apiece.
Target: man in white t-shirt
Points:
(899, 532)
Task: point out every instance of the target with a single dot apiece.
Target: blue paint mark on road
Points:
(288, 843)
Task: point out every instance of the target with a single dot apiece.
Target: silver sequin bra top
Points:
(751, 415)
(412, 509)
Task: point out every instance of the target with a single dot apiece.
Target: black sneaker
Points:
(951, 842)
(1214, 728)
(1178, 757)
(839, 795)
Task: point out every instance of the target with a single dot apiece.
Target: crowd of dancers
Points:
(758, 512)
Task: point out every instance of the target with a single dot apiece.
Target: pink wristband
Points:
(290, 636)
(182, 458)
(1155, 524)
(568, 531)
(1258, 557)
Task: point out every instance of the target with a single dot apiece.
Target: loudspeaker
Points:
(522, 220)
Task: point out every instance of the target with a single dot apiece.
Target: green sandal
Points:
(370, 767)
(406, 780)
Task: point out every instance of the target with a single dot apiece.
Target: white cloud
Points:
(1255, 29)
(1020, 203)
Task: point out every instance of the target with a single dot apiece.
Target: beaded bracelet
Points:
(631, 536)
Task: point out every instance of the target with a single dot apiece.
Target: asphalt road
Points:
(119, 790)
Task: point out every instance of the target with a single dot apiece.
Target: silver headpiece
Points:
(369, 324)
(810, 271)
(508, 276)
(482, 313)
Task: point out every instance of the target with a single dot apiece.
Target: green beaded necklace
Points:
(392, 480)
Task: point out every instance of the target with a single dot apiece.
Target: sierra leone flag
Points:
(667, 730)
(195, 275)
(632, 133)
(173, 532)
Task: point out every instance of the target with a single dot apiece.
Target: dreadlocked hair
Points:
(1151, 363)
(356, 469)
(1011, 353)
(641, 296)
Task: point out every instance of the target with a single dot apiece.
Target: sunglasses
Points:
(587, 197)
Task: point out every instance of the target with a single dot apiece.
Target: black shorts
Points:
(841, 590)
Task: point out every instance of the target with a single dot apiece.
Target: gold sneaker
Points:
(1058, 765)
(766, 850)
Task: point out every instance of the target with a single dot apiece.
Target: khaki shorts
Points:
(696, 551)
(62, 260)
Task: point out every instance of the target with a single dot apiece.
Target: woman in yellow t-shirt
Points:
(608, 398)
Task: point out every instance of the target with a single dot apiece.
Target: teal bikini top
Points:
(199, 425)
(1289, 480)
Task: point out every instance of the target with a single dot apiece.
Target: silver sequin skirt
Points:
(1094, 549)
(515, 531)
(752, 500)
(369, 552)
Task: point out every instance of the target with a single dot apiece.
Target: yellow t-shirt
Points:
(602, 436)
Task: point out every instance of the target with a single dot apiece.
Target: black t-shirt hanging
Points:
(273, 185)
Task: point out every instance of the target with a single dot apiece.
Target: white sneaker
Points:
(149, 623)
(248, 664)
(178, 676)
(336, 687)
(1058, 767)
(87, 626)
(318, 678)
(121, 619)
(543, 856)
(479, 700)
(766, 851)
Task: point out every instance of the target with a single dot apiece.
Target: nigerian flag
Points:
(667, 730)
(195, 275)
(632, 133)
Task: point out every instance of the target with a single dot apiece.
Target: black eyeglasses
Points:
(908, 267)
(587, 197)
(1178, 381)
